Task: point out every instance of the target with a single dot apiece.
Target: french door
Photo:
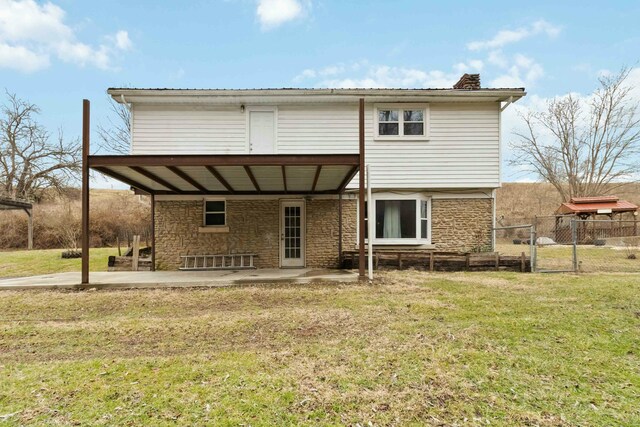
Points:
(292, 218)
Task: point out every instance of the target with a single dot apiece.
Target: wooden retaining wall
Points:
(441, 261)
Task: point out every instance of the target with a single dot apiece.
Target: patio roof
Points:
(231, 174)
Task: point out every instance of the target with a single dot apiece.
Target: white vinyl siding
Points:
(318, 129)
(174, 129)
(463, 149)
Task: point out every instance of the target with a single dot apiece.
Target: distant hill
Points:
(519, 200)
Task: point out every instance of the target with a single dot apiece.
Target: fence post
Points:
(532, 247)
(574, 238)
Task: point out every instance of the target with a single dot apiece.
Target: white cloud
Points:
(123, 42)
(31, 33)
(273, 13)
(384, 76)
(505, 37)
(505, 70)
(523, 72)
(21, 58)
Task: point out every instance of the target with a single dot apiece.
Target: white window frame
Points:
(418, 198)
(401, 108)
(205, 212)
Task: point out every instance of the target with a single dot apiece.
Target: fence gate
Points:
(516, 240)
(555, 247)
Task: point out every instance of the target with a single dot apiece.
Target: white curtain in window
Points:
(392, 219)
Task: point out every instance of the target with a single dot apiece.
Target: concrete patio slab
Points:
(162, 279)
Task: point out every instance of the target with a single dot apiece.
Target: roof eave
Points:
(227, 96)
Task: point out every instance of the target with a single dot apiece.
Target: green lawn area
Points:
(45, 261)
(591, 259)
(413, 349)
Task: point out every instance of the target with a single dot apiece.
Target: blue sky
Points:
(56, 53)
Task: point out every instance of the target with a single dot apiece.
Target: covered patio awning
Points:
(242, 174)
(231, 174)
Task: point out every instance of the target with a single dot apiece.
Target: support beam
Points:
(315, 178)
(29, 228)
(347, 179)
(369, 225)
(224, 160)
(361, 259)
(252, 178)
(340, 229)
(122, 178)
(185, 177)
(85, 190)
(156, 178)
(220, 179)
(153, 232)
(284, 178)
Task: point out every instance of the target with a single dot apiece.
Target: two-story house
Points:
(275, 172)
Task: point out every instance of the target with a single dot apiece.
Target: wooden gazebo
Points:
(588, 209)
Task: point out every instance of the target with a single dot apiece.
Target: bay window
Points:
(400, 219)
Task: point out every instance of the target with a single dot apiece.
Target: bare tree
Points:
(116, 136)
(583, 147)
(30, 161)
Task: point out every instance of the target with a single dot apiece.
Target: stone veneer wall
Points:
(349, 224)
(461, 224)
(457, 225)
(253, 228)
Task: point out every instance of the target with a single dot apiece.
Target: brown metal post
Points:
(29, 228)
(85, 190)
(361, 260)
(153, 233)
(340, 229)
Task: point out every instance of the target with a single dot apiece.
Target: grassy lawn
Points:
(591, 259)
(45, 261)
(414, 349)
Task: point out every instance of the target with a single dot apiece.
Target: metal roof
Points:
(591, 205)
(239, 96)
(231, 174)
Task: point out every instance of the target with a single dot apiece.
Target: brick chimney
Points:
(468, 81)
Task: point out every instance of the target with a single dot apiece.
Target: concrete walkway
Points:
(160, 279)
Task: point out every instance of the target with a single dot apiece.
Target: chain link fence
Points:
(607, 246)
(570, 244)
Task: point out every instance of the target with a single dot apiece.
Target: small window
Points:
(409, 122)
(215, 213)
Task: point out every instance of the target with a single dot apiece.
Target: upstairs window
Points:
(401, 122)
